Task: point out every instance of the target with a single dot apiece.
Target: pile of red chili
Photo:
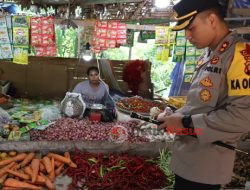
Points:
(98, 171)
(137, 104)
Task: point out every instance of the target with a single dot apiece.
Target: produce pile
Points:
(97, 171)
(139, 105)
(31, 171)
(27, 115)
(176, 101)
(74, 129)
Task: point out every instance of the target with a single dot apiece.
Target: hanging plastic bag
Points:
(73, 105)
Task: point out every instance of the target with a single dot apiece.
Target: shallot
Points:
(74, 129)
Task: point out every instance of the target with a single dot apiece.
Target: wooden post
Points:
(130, 53)
(229, 8)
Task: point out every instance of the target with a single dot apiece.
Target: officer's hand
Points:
(172, 122)
(167, 112)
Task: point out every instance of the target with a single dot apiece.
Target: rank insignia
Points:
(206, 82)
(223, 47)
(215, 60)
(205, 95)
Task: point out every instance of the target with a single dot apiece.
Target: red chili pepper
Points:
(138, 174)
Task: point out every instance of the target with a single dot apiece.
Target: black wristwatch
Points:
(186, 121)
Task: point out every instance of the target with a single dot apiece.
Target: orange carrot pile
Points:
(27, 171)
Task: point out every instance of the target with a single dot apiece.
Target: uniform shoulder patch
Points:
(214, 60)
(205, 95)
(238, 75)
(206, 82)
(246, 54)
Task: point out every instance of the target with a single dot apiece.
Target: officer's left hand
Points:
(173, 122)
(167, 112)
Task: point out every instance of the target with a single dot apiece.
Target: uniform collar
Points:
(224, 45)
(226, 42)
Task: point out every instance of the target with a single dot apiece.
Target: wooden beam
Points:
(141, 27)
(229, 8)
(141, 5)
(52, 2)
(89, 22)
(242, 12)
(243, 30)
(92, 2)
(85, 2)
(240, 30)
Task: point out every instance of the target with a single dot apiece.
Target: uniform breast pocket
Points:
(208, 88)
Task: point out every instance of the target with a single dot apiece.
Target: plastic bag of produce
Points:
(50, 113)
(73, 105)
(4, 117)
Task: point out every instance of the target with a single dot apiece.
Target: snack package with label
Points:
(43, 36)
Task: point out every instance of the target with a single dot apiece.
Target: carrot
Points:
(5, 162)
(39, 178)
(18, 174)
(3, 170)
(27, 159)
(11, 188)
(15, 167)
(41, 167)
(17, 158)
(10, 182)
(59, 170)
(71, 164)
(59, 158)
(28, 170)
(58, 163)
(67, 155)
(47, 164)
(52, 173)
(3, 178)
(35, 169)
(48, 183)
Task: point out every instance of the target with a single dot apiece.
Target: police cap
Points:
(186, 10)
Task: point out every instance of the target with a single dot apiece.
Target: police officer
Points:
(218, 102)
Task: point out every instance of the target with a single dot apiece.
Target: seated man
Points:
(95, 91)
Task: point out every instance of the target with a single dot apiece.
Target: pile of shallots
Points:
(74, 129)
